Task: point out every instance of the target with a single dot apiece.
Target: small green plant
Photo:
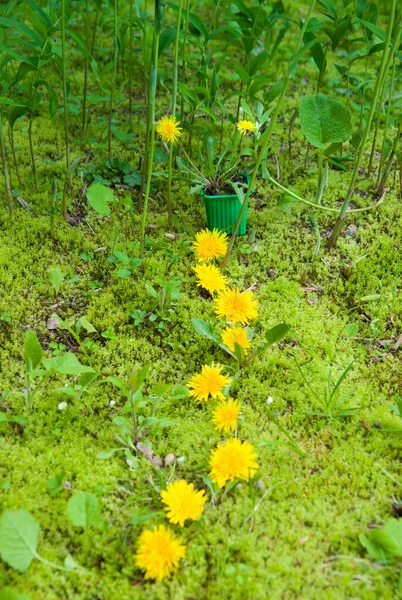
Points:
(221, 170)
(133, 431)
(167, 294)
(56, 278)
(76, 328)
(84, 510)
(65, 364)
(332, 402)
(125, 263)
(19, 539)
(384, 544)
(272, 336)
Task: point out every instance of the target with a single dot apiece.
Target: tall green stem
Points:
(382, 182)
(130, 68)
(31, 151)
(174, 105)
(332, 240)
(267, 140)
(390, 96)
(390, 58)
(113, 82)
(5, 165)
(12, 144)
(64, 75)
(86, 66)
(183, 69)
(159, 13)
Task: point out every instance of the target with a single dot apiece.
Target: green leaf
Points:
(19, 535)
(103, 454)
(329, 6)
(179, 392)
(166, 38)
(67, 364)
(123, 272)
(374, 29)
(56, 277)
(83, 510)
(8, 593)
(276, 333)
(137, 518)
(324, 120)
(98, 196)
(85, 324)
(205, 329)
(351, 330)
(32, 350)
(384, 543)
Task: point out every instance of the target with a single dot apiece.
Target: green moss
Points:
(298, 536)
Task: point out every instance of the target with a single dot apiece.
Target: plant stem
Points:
(313, 204)
(86, 66)
(31, 151)
(320, 179)
(64, 76)
(383, 180)
(113, 82)
(130, 68)
(17, 172)
(174, 105)
(332, 240)
(53, 209)
(159, 12)
(267, 141)
(5, 165)
(183, 54)
(390, 95)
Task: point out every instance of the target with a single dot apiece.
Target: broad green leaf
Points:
(67, 364)
(324, 120)
(276, 333)
(205, 329)
(32, 350)
(123, 272)
(83, 510)
(56, 277)
(179, 392)
(19, 535)
(385, 543)
(161, 389)
(85, 324)
(98, 196)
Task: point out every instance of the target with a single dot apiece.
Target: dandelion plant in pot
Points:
(221, 181)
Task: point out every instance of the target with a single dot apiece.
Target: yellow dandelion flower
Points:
(183, 502)
(236, 306)
(225, 416)
(236, 335)
(246, 127)
(159, 552)
(168, 129)
(210, 244)
(210, 278)
(210, 382)
(233, 460)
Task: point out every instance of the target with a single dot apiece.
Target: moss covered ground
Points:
(294, 532)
